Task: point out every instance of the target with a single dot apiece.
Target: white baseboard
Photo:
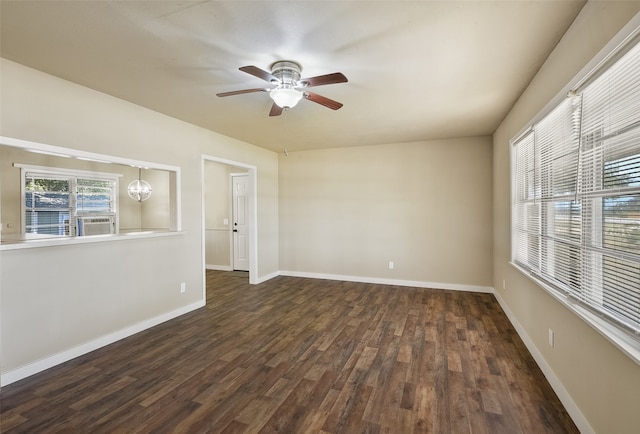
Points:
(381, 281)
(64, 356)
(264, 278)
(219, 267)
(251, 281)
(564, 396)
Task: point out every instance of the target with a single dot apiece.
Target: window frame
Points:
(72, 176)
(27, 224)
(625, 338)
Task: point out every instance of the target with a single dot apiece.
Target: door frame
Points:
(253, 215)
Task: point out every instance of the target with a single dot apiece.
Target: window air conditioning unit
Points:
(95, 225)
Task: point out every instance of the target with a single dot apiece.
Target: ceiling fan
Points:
(290, 88)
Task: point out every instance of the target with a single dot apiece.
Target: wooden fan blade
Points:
(320, 80)
(260, 73)
(322, 100)
(240, 92)
(276, 110)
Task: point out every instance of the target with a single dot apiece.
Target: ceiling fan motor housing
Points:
(287, 72)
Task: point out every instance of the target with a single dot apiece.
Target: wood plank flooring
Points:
(296, 355)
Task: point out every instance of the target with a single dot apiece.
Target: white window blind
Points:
(526, 213)
(576, 183)
(610, 190)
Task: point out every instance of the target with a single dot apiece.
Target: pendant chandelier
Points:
(139, 190)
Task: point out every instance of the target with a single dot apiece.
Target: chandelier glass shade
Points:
(285, 96)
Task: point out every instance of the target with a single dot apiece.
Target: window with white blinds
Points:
(58, 202)
(576, 195)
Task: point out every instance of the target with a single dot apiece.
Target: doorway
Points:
(230, 250)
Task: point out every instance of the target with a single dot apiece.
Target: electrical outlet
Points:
(183, 287)
(390, 265)
(504, 284)
(551, 338)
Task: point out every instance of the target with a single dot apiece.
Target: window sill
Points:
(625, 342)
(65, 241)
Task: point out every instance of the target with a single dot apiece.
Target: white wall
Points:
(593, 377)
(425, 206)
(55, 299)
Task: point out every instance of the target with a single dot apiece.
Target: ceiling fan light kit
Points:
(290, 88)
(285, 97)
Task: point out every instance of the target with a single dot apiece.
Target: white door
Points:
(240, 221)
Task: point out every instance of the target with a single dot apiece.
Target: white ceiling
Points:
(417, 70)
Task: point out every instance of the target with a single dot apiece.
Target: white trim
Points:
(396, 282)
(64, 240)
(253, 232)
(178, 196)
(230, 217)
(72, 353)
(376, 280)
(564, 396)
(75, 153)
(270, 276)
(49, 170)
(219, 267)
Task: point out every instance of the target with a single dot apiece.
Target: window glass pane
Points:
(563, 264)
(622, 289)
(612, 101)
(621, 223)
(47, 205)
(622, 168)
(95, 195)
(526, 169)
(48, 222)
(42, 183)
(567, 220)
(557, 139)
(527, 234)
(49, 200)
(46, 193)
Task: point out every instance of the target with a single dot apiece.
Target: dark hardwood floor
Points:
(296, 355)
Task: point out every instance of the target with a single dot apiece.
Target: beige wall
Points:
(45, 309)
(155, 211)
(425, 206)
(603, 383)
